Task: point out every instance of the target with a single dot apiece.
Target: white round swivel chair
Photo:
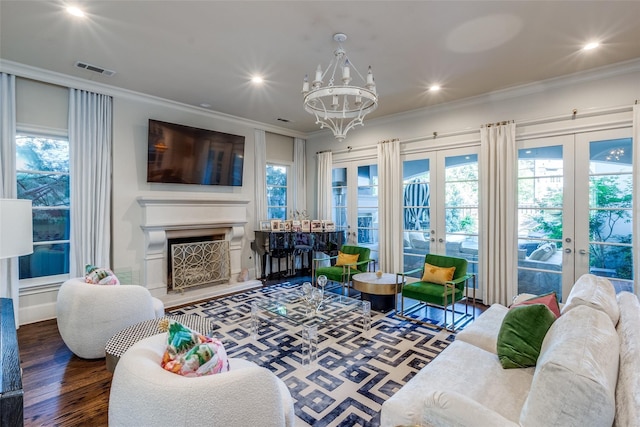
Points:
(88, 315)
(144, 394)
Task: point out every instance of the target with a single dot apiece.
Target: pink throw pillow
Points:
(550, 300)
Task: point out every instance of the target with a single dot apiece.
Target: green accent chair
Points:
(438, 295)
(342, 274)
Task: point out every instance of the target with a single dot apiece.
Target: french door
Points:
(575, 210)
(441, 206)
(355, 203)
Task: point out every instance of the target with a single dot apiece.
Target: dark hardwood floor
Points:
(61, 389)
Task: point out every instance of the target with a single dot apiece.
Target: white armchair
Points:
(144, 394)
(88, 315)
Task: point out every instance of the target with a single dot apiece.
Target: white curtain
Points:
(299, 175)
(260, 151)
(390, 206)
(325, 168)
(8, 188)
(636, 199)
(498, 269)
(90, 146)
(260, 176)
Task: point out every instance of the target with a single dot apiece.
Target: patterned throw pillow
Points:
(346, 259)
(190, 353)
(100, 276)
(438, 275)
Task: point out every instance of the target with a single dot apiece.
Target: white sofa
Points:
(586, 374)
(89, 315)
(144, 394)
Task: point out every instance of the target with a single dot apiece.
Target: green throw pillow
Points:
(521, 334)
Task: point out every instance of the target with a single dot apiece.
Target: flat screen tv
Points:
(188, 155)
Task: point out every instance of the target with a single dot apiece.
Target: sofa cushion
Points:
(575, 378)
(595, 292)
(464, 369)
(628, 386)
(521, 334)
(438, 275)
(550, 300)
(483, 332)
(543, 252)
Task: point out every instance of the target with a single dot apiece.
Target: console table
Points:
(11, 393)
(275, 245)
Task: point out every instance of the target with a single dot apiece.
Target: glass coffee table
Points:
(292, 307)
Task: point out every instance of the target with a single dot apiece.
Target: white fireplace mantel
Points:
(187, 211)
(166, 214)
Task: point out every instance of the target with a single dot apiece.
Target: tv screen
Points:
(188, 155)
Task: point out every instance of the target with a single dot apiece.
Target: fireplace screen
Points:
(200, 263)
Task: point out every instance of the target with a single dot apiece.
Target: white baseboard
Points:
(37, 313)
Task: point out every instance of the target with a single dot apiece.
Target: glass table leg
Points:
(255, 320)
(309, 345)
(366, 316)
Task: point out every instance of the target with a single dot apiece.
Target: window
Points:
(42, 166)
(277, 191)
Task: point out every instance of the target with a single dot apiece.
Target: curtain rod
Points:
(529, 122)
(574, 115)
(488, 125)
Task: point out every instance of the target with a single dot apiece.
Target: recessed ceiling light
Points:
(257, 80)
(590, 46)
(75, 11)
(205, 105)
(434, 88)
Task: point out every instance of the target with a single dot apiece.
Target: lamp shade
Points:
(16, 228)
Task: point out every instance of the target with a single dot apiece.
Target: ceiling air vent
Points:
(95, 69)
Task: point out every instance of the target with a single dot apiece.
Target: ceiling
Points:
(205, 52)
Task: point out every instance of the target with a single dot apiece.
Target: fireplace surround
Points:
(171, 217)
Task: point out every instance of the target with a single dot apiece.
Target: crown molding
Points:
(613, 70)
(52, 77)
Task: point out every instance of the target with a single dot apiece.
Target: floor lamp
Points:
(16, 229)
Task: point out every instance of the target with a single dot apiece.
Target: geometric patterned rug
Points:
(354, 373)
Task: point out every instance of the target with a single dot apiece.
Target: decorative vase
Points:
(379, 274)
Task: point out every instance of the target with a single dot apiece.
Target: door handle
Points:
(567, 251)
(583, 252)
(440, 240)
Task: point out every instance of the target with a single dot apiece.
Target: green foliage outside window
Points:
(277, 180)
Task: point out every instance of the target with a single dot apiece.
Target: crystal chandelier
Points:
(336, 106)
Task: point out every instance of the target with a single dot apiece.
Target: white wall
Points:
(600, 89)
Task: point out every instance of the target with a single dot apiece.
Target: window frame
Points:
(289, 189)
(52, 133)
